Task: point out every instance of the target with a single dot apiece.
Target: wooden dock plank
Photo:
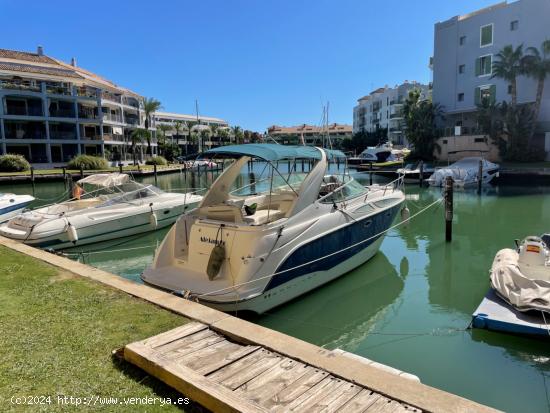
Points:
(171, 335)
(336, 399)
(360, 403)
(223, 358)
(195, 386)
(245, 375)
(311, 398)
(286, 396)
(185, 341)
(185, 350)
(241, 365)
(383, 405)
(199, 357)
(273, 380)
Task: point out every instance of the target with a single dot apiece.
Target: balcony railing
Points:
(62, 113)
(87, 92)
(26, 85)
(112, 118)
(130, 102)
(112, 137)
(96, 137)
(58, 90)
(23, 111)
(396, 115)
(132, 121)
(111, 97)
(62, 135)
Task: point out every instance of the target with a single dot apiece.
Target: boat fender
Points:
(217, 257)
(71, 233)
(153, 220)
(405, 214)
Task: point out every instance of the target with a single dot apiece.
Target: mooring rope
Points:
(75, 254)
(215, 292)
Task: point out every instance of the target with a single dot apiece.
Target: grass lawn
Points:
(57, 331)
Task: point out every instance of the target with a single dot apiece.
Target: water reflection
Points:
(344, 311)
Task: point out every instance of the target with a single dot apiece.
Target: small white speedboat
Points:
(522, 277)
(380, 153)
(411, 172)
(106, 206)
(257, 246)
(465, 172)
(11, 205)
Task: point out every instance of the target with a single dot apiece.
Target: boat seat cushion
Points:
(227, 213)
(263, 216)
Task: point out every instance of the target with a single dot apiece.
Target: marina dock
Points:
(218, 349)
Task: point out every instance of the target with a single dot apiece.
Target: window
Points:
(509, 89)
(462, 40)
(484, 65)
(486, 35)
(514, 25)
(461, 69)
(485, 94)
(460, 97)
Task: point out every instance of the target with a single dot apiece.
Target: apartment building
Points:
(311, 135)
(179, 131)
(383, 108)
(464, 51)
(51, 111)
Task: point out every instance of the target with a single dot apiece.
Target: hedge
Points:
(88, 162)
(13, 163)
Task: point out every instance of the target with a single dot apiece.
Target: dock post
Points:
(421, 175)
(480, 176)
(65, 177)
(81, 172)
(32, 178)
(302, 165)
(155, 172)
(448, 209)
(370, 174)
(120, 167)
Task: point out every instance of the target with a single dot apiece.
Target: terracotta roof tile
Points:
(31, 57)
(17, 67)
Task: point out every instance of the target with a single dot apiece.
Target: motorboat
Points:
(465, 172)
(104, 207)
(379, 154)
(522, 276)
(258, 245)
(11, 205)
(411, 172)
(200, 164)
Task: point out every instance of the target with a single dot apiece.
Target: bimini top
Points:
(105, 180)
(275, 152)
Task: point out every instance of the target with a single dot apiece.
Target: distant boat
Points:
(106, 206)
(257, 246)
(379, 154)
(411, 172)
(11, 205)
(465, 172)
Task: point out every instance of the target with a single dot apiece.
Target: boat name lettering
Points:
(212, 241)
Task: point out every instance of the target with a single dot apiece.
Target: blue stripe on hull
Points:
(330, 243)
(14, 207)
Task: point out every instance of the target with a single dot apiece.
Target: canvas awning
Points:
(274, 152)
(105, 180)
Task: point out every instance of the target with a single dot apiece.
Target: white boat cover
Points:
(508, 281)
(105, 180)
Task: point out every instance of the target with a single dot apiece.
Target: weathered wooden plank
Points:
(239, 365)
(245, 375)
(383, 405)
(196, 358)
(185, 350)
(223, 358)
(286, 396)
(405, 408)
(195, 386)
(361, 402)
(337, 398)
(273, 380)
(183, 342)
(307, 401)
(171, 335)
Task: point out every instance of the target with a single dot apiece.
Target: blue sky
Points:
(252, 62)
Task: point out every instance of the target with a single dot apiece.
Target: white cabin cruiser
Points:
(380, 153)
(465, 172)
(522, 277)
(11, 205)
(257, 246)
(105, 206)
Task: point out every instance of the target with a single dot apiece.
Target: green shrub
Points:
(156, 160)
(88, 162)
(13, 163)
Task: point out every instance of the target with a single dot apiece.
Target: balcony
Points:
(396, 115)
(24, 130)
(111, 97)
(113, 137)
(87, 112)
(23, 107)
(87, 92)
(62, 130)
(112, 117)
(129, 101)
(58, 89)
(25, 85)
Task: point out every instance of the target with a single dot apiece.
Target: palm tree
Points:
(161, 133)
(214, 129)
(509, 66)
(136, 137)
(237, 133)
(204, 134)
(223, 134)
(189, 126)
(537, 66)
(150, 106)
(178, 126)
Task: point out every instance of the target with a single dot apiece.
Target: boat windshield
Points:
(254, 186)
(130, 193)
(338, 188)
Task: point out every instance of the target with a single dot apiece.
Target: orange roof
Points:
(297, 130)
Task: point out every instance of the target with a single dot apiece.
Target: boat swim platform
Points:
(237, 340)
(496, 314)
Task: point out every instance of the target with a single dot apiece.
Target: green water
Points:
(410, 305)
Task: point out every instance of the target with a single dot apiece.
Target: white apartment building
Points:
(382, 108)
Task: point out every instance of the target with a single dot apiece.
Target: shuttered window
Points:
(484, 65)
(485, 94)
(486, 35)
